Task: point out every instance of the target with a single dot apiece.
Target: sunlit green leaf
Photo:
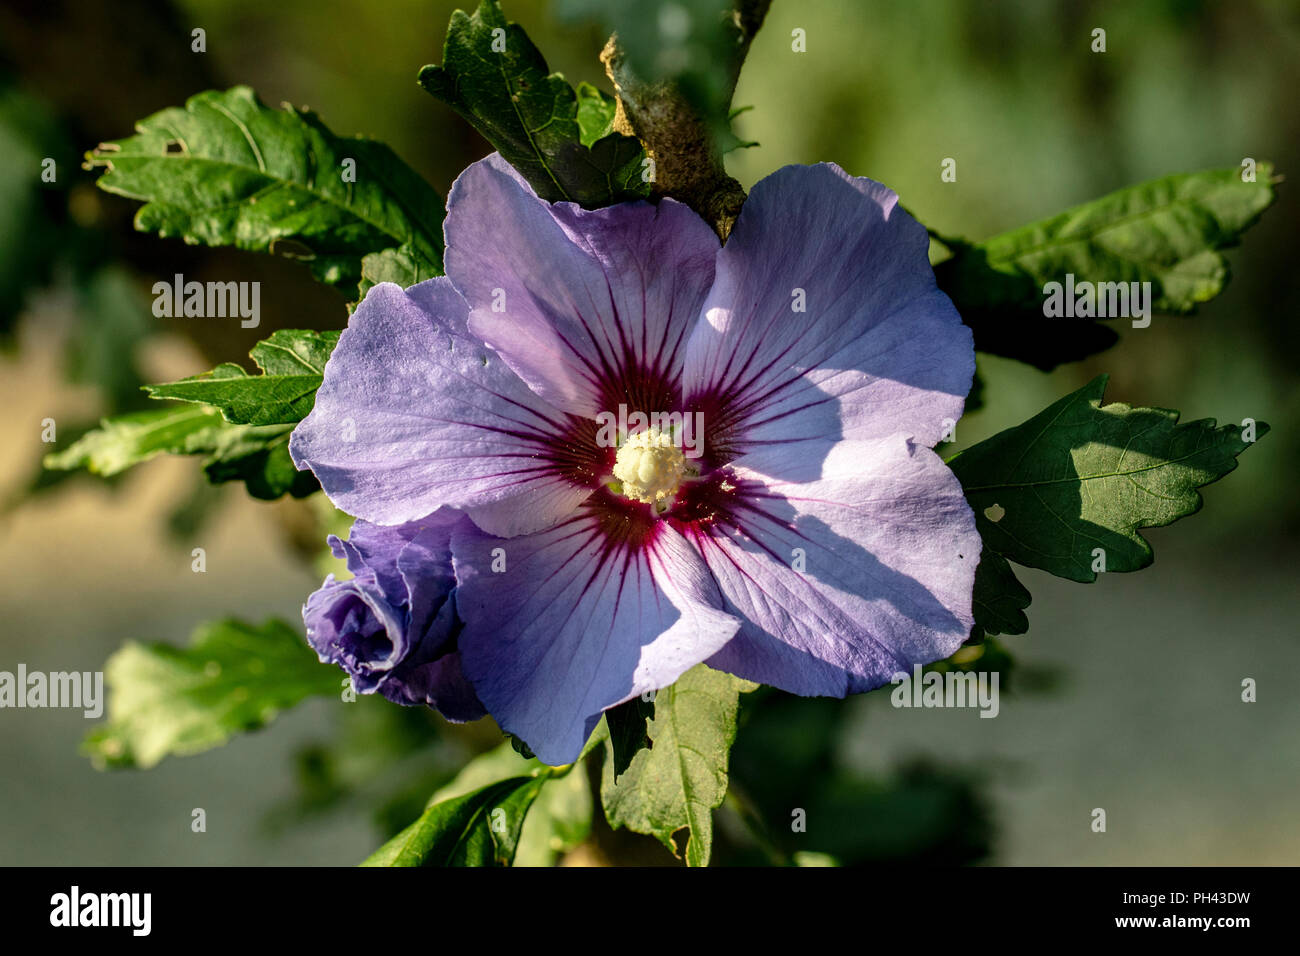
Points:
(1068, 490)
(226, 170)
(677, 783)
(292, 362)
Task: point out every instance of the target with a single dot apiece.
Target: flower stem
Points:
(681, 142)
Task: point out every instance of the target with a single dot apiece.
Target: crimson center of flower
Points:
(650, 467)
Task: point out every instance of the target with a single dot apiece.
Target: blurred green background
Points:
(1127, 692)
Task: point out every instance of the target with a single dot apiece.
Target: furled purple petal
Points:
(579, 621)
(888, 549)
(583, 304)
(350, 623)
(414, 414)
(375, 548)
(878, 351)
(441, 683)
(393, 625)
(422, 561)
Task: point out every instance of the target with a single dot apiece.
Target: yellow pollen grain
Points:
(650, 466)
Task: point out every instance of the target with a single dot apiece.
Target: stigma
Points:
(650, 467)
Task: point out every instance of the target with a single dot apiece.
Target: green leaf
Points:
(234, 677)
(628, 734)
(498, 81)
(492, 766)
(293, 365)
(256, 455)
(610, 172)
(559, 821)
(679, 781)
(228, 171)
(1079, 477)
(560, 818)
(595, 115)
(1000, 598)
(401, 265)
(259, 457)
(1168, 232)
(480, 828)
(129, 439)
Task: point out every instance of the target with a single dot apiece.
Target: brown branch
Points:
(687, 164)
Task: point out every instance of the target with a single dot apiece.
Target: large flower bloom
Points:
(816, 543)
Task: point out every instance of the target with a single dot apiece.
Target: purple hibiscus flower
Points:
(806, 536)
(392, 625)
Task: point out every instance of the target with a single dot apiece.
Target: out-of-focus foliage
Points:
(233, 677)
(1167, 233)
(254, 454)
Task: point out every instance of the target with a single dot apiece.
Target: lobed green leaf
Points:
(402, 265)
(999, 598)
(678, 782)
(558, 820)
(292, 362)
(1080, 476)
(228, 171)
